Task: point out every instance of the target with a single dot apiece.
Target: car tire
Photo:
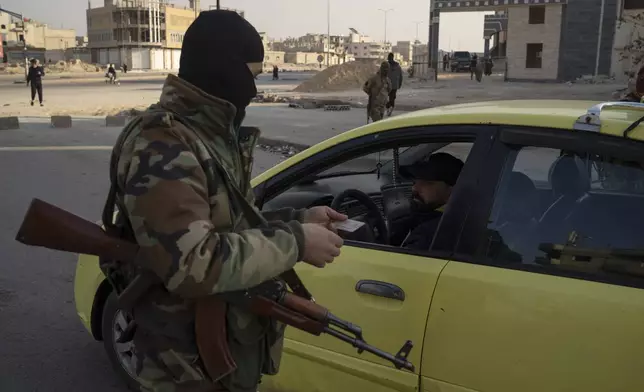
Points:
(113, 323)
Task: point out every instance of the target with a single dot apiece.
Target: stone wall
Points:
(521, 33)
(580, 27)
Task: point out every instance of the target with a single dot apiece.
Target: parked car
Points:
(460, 61)
(534, 279)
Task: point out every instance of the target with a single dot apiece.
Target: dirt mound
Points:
(74, 65)
(340, 77)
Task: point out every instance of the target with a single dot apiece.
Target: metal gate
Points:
(176, 56)
(103, 57)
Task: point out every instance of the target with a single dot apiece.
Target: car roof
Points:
(555, 114)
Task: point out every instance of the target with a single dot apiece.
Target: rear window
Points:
(461, 55)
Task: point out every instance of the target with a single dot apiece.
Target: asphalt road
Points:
(53, 83)
(43, 346)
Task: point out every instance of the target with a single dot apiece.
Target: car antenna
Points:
(633, 126)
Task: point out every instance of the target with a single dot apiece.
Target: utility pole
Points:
(417, 23)
(385, 45)
(328, 31)
(385, 11)
(218, 5)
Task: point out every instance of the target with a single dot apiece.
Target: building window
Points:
(21, 38)
(537, 14)
(3, 27)
(633, 4)
(533, 56)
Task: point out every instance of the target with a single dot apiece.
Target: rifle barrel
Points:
(361, 345)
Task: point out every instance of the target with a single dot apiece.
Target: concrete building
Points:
(314, 45)
(42, 41)
(550, 40)
(405, 49)
(362, 47)
(144, 34)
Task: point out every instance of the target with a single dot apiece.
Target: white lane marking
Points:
(57, 148)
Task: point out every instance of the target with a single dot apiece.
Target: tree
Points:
(634, 50)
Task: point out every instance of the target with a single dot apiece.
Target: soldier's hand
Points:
(321, 245)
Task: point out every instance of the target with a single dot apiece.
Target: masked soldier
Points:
(378, 88)
(180, 176)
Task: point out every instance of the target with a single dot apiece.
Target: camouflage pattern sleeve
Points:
(167, 200)
(283, 214)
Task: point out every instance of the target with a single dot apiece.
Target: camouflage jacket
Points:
(378, 89)
(195, 239)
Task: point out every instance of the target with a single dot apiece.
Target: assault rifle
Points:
(48, 226)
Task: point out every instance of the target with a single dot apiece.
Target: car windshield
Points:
(461, 55)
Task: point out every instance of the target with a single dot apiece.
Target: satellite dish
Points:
(354, 31)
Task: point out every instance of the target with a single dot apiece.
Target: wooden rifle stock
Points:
(48, 226)
(51, 227)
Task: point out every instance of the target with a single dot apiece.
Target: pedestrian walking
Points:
(445, 62)
(473, 64)
(396, 78)
(276, 73)
(34, 79)
(488, 66)
(124, 68)
(378, 88)
(180, 179)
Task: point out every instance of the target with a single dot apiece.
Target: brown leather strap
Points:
(295, 283)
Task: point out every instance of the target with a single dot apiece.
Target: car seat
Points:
(517, 217)
(569, 182)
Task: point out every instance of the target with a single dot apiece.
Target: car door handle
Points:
(380, 289)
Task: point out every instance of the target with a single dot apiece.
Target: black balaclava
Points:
(216, 48)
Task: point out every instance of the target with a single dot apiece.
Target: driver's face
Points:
(431, 193)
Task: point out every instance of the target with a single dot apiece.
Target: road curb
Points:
(9, 123)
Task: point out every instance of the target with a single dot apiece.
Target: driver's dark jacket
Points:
(424, 227)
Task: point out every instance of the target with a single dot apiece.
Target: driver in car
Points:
(433, 183)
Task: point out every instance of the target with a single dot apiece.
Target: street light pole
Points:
(328, 32)
(385, 11)
(417, 23)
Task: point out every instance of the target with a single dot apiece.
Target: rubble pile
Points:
(284, 150)
(269, 98)
(74, 65)
(345, 76)
(591, 79)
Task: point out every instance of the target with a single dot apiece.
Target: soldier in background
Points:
(378, 88)
(396, 78)
(182, 182)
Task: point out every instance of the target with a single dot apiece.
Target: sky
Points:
(293, 18)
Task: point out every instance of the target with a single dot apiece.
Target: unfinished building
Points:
(144, 34)
(550, 40)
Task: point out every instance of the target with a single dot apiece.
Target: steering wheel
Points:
(374, 211)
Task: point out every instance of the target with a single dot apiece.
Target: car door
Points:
(554, 304)
(385, 290)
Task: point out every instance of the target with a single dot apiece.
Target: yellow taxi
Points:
(532, 280)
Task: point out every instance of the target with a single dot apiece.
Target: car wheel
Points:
(120, 354)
